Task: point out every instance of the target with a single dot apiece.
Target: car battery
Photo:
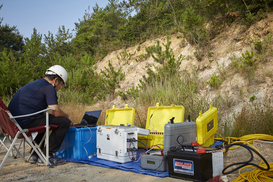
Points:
(117, 143)
(194, 166)
(177, 134)
(154, 161)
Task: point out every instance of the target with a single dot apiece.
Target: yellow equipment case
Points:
(207, 126)
(157, 117)
(120, 116)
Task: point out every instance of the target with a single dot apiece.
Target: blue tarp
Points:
(134, 166)
(129, 166)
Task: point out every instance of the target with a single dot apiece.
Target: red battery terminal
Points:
(201, 151)
(194, 144)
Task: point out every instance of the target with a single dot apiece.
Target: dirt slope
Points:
(218, 56)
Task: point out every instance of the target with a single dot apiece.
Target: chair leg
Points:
(36, 145)
(16, 149)
(2, 143)
(15, 156)
(38, 151)
(9, 150)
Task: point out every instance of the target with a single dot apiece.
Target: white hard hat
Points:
(57, 70)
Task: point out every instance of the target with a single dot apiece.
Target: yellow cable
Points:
(256, 175)
(257, 136)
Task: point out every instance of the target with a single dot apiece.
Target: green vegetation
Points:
(255, 118)
(215, 81)
(114, 27)
(247, 64)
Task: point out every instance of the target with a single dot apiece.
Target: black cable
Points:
(142, 143)
(174, 148)
(131, 141)
(161, 162)
(129, 149)
(178, 141)
(250, 149)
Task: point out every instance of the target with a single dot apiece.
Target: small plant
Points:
(263, 48)
(210, 54)
(188, 57)
(247, 64)
(123, 95)
(133, 92)
(125, 55)
(182, 44)
(198, 55)
(179, 36)
(222, 70)
(138, 48)
(151, 49)
(248, 59)
(252, 98)
(215, 81)
(258, 46)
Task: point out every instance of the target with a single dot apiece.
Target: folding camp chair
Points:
(10, 127)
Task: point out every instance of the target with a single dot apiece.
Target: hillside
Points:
(218, 57)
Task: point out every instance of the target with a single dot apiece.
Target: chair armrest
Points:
(26, 115)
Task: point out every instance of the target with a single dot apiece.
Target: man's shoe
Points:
(55, 161)
(33, 159)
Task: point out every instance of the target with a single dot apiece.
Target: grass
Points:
(182, 90)
(255, 118)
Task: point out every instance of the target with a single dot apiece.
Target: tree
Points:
(60, 44)
(97, 30)
(34, 55)
(10, 37)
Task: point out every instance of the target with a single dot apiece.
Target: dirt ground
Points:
(16, 170)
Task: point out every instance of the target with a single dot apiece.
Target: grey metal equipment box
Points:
(184, 133)
(154, 162)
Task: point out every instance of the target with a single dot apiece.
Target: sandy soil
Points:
(16, 170)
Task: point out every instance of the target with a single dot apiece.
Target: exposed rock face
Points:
(218, 56)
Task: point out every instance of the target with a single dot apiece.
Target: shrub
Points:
(215, 81)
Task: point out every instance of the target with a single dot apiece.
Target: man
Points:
(38, 95)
